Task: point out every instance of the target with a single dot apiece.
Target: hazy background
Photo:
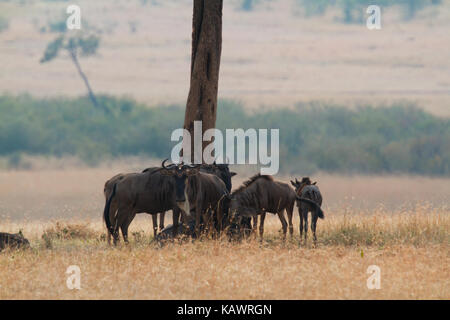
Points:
(347, 100)
(275, 53)
(310, 68)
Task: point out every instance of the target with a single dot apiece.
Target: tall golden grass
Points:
(400, 224)
(411, 248)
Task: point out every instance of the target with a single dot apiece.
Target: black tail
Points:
(106, 211)
(319, 210)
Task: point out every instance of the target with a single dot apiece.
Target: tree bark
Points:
(205, 64)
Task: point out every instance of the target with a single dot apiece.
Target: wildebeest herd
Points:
(202, 202)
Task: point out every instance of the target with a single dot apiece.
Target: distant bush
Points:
(353, 11)
(314, 7)
(4, 24)
(394, 139)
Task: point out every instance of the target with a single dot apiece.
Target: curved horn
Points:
(163, 164)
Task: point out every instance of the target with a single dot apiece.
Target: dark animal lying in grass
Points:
(309, 199)
(183, 229)
(13, 241)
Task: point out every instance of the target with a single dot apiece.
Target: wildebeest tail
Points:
(319, 210)
(106, 211)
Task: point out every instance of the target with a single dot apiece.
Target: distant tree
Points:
(76, 45)
(353, 11)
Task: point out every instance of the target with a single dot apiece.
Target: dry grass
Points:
(400, 224)
(411, 248)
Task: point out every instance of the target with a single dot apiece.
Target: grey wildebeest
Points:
(309, 199)
(13, 241)
(146, 192)
(261, 194)
(203, 193)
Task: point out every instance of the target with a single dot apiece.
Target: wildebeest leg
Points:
(219, 215)
(112, 218)
(161, 220)
(261, 226)
(300, 214)
(207, 221)
(198, 215)
(305, 218)
(255, 224)
(122, 215)
(176, 218)
(125, 225)
(313, 226)
(283, 222)
(155, 224)
(289, 211)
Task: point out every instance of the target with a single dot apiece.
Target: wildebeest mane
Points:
(247, 183)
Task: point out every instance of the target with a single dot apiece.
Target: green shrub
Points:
(395, 139)
(4, 24)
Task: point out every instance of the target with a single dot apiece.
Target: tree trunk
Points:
(205, 63)
(83, 76)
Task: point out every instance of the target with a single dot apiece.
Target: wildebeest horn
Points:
(296, 180)
(163, 164)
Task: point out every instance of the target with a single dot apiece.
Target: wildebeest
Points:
(261, 194)
(309, 199)
(13, 241)
(203, 193)
(222, 171)
(108, 189)
(186, 229)
(146, 192)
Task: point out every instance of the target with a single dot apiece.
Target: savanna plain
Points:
(272, 57)
(400, 224)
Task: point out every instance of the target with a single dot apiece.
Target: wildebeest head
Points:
(299, 185)
(180, 172)
(222, 171)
